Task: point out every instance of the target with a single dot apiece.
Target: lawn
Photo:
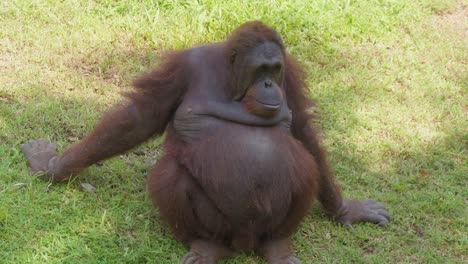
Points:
(390, 78)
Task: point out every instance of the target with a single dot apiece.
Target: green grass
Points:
(390, 77)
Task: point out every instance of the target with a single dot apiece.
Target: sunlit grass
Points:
(390, 78)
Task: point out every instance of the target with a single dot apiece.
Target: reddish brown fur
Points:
(127, 126)
(304, 130)
(185, 169)
(203, 188)
(229, 178)
(174, 175)
(249, 35)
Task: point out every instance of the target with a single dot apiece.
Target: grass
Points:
(390, 77)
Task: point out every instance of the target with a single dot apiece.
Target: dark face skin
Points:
(259, 77)
(250, 182)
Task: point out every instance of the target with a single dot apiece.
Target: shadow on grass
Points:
(68, 119)
(65, 120)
